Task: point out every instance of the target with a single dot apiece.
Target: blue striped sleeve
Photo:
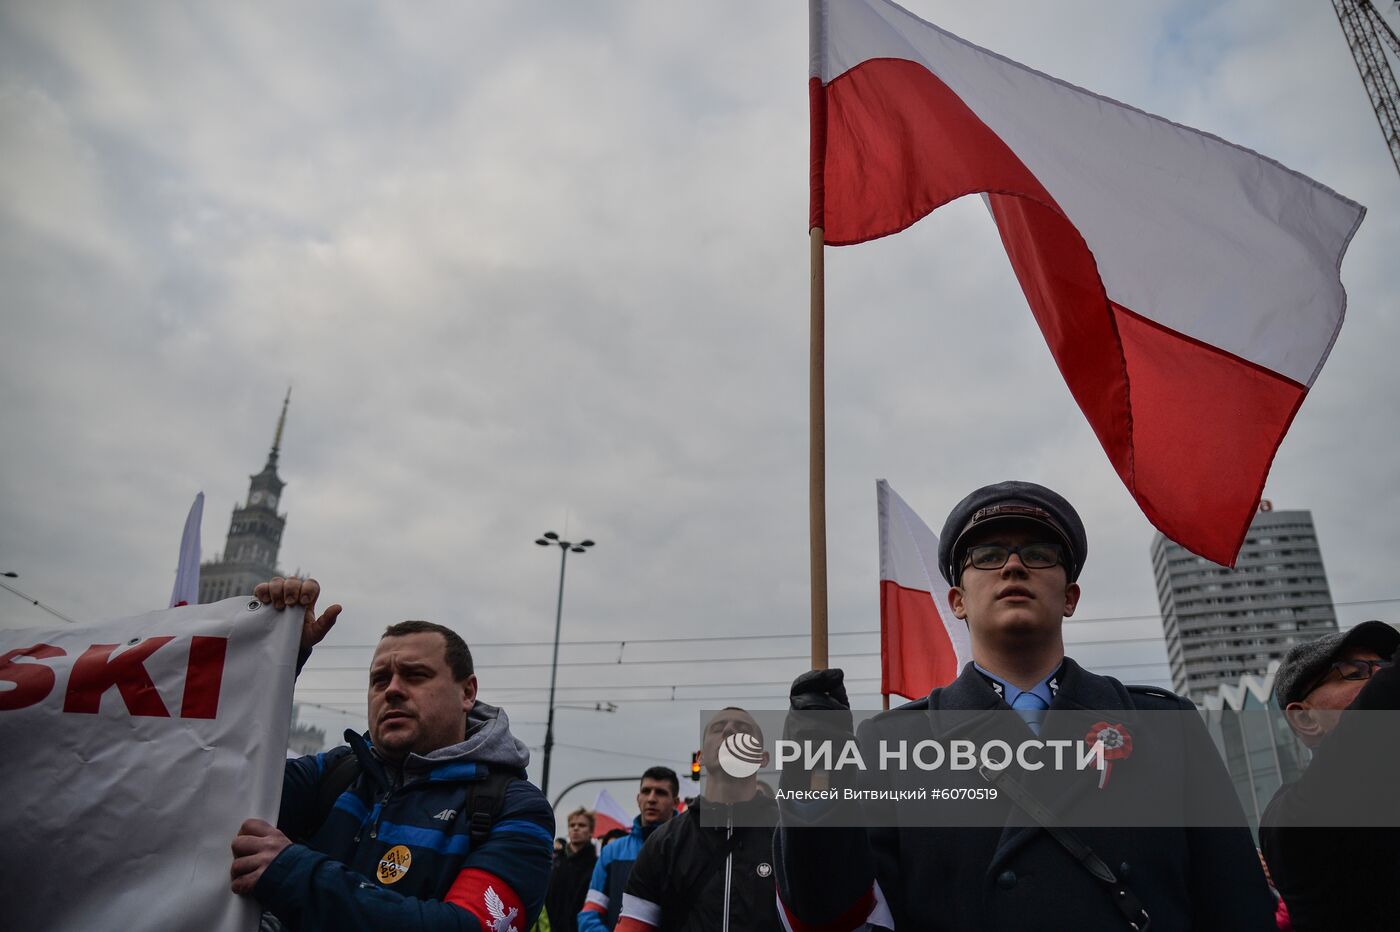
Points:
(299, 781)
(523, 827)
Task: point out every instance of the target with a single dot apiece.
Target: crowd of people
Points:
(428, 821)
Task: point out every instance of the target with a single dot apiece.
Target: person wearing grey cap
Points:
(1343, 876)
(1012, 554)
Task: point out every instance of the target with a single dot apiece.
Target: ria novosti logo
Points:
(741, 755)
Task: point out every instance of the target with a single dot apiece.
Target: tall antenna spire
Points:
(281, 423)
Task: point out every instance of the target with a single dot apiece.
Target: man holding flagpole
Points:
(1012, 553)
(1189, 292)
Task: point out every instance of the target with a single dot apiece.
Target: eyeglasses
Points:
(1353, 670)
(1037, 556)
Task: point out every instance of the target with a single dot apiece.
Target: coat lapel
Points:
(968, 693)
(1079, 691)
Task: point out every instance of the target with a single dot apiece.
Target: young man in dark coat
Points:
(573, 867)
(1012, 553)
(711, 867)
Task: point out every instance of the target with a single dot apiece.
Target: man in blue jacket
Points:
(656, 801)
(436, 829)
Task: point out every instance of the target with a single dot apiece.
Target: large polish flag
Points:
(1188, 288)
(922, 644)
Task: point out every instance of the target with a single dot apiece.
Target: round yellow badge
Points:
(394, 864)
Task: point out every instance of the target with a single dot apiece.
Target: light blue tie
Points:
(1032, 708)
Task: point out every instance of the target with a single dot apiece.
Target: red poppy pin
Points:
(1117, 744)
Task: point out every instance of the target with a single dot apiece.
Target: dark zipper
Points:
(728, 864)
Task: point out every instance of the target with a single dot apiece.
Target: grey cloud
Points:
(534, 262)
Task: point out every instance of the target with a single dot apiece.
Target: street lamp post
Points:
(565, 548)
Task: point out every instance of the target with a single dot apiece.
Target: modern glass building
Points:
(1259, 749)
(1221, 624)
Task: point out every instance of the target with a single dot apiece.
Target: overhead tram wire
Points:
(780, 700)
(36, 603)
(633, 663)
(610, 752)
(720, 685)
(662, 661)
(1070, 624)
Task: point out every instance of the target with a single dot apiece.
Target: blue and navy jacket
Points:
(604, 902)
(396, 851)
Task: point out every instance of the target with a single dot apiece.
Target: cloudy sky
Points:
(534, 266)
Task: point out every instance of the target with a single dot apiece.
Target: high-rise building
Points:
(1220, 623)
(254, 533)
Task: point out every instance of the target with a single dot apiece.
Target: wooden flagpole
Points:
(817, 453)
(817, 366)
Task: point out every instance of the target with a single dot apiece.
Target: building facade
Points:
(1259, 749)
(1221, 624)
(254, 533)
(304, 738)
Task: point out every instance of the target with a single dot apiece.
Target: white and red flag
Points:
(608, 814)
(1188, 288)
(922, 644)
(186, 591)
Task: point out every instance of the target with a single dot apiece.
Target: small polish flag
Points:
(922, 644)
(608, 814)
(1189, 289)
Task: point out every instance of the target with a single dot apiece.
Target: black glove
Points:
(819, 711)
(820, 689)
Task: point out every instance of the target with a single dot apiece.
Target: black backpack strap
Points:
(1127, 903)
(485, 801)
(334, 781)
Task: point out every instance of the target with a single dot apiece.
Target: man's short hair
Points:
(458, 655)
(668, 775)
(749, 715)
(580, 811)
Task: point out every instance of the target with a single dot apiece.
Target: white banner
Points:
(132, 751)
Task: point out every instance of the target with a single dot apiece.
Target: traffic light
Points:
(695, 766)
